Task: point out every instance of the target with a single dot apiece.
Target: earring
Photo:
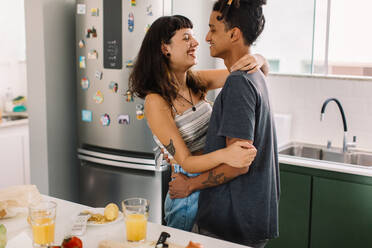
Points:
(168, 54)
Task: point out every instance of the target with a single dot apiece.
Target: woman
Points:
(176, 109)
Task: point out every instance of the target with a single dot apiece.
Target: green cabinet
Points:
(341, 214)
(294, 211)
(322, 209)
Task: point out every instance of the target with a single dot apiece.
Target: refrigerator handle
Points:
(122, 164)
(116, 157)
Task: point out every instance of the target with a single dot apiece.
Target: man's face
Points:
(218, 38)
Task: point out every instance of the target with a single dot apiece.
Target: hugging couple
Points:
(225, 179)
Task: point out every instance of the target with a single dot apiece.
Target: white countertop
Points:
(67, 210)
(325, 165)
(13, 123)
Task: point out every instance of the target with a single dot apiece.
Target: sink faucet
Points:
(345, 144)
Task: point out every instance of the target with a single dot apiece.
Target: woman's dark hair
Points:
(247, 15)
(151, 72)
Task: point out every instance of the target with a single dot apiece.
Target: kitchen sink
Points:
(361, 158)
(317, 152)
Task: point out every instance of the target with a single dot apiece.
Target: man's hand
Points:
(179, 187)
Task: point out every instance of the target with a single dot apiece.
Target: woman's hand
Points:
(240, 154)
(248, 62)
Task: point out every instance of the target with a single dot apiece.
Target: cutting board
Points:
(148, 244)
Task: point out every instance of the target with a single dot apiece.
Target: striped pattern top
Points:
(193, 126)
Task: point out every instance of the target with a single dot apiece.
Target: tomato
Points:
(72, 242)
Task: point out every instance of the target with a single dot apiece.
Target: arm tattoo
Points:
(170, 148)
(214, 180)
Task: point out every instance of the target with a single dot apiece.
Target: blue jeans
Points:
(180, 213)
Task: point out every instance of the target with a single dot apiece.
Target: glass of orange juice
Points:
(136, 212)
(42, 220)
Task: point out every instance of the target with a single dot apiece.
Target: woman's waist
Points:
(176, 168)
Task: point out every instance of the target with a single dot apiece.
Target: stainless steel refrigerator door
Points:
(101, 184)
(135, 136)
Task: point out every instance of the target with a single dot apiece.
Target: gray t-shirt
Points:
(244, 210)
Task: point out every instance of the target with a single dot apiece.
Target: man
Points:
(238, 205)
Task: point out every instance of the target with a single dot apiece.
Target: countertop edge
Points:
(323, 165)
(13, 123)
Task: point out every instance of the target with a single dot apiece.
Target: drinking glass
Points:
(136, 212)
(42, 220)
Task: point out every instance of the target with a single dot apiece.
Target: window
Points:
(329, 37)
(287, 39)
(350, 38)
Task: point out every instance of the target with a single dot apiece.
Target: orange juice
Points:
(136, 225)
(43, 231)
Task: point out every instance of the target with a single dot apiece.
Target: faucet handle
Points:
(351, 144)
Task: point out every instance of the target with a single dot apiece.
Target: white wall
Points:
(198, 13)
(302, 97)
(12, 47)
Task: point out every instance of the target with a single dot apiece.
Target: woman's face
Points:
(182, 49)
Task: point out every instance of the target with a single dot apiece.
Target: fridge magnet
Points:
(94, 12)
(99, 75)
(92, 54)
(81, 44)
(113, 86)
(82, 63)
(85, 83)
(105, 120)
(129, 63)
(149, 10)
(81, 9)
(86, 115)
(131, 22)
(139, 112)
(98, 97)
(129, 96)
(123, 119)
(91, 33)
(147, 28)
(133, 2)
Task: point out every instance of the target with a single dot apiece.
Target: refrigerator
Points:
(116, 148)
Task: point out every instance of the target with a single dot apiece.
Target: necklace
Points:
(191, 102)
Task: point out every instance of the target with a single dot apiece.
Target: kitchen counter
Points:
(19, 119)
(13, 123)
(67, 210)
(325, 165)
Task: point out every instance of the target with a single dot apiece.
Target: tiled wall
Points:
(302, 97)
(12, 48)
(13, 75)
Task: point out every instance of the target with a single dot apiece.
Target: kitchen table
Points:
(66, 211)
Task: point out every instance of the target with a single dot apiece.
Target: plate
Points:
(14, 211)
(101, 211)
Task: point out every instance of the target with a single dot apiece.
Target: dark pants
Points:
(258, 244)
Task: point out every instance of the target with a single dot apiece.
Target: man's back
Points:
(246, 208)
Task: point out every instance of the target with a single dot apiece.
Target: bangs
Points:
(180, 22)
